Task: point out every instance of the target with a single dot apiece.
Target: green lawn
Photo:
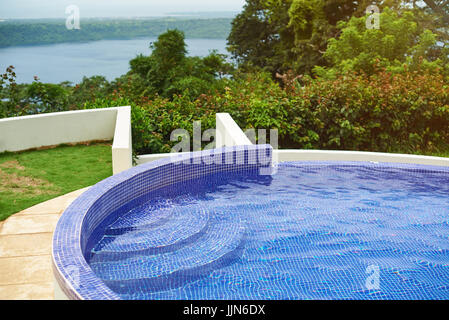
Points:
(30, 177)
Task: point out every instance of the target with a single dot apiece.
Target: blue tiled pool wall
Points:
(219, 177)
(313, 223)
(211, 182)
(83, 219)
(121, 198)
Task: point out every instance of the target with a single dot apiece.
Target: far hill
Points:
(50, 31)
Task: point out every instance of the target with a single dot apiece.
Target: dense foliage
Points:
(399, 42)
(282, 35)
(55, 31)
(168, 71)
(310, 69)
(407, 112)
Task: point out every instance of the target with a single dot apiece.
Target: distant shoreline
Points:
(89, 41)
(189, 14)
(21, 33)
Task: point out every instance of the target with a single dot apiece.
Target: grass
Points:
(30, 177)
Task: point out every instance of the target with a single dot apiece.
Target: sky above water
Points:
(35, 9)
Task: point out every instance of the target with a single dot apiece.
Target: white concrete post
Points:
(229, 133)
(122, 146)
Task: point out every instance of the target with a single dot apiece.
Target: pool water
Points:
(311, 231)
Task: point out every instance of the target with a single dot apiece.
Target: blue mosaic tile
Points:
(309, 232)
(84, 221)
(314, 230)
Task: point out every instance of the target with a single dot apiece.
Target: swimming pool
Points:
(313, 230)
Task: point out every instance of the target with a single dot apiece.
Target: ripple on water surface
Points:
(311, 231)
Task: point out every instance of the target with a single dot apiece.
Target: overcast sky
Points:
(13, 9)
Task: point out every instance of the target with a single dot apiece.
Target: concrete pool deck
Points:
(25, 250)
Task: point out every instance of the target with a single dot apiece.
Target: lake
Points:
(71, 61)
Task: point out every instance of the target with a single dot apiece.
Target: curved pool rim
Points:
(73, 276)
(67, 253)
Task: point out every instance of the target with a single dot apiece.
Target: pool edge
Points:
(73, 278)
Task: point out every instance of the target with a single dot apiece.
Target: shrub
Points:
(405, 112)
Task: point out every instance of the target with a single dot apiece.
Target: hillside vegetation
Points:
(20, 33)
(309, 68)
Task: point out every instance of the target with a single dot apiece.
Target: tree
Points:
(436, 16)
(9, 95)
(256, 37)
(169, 71)
(47, 97)
(282, 35)
(398, 42)
(440, 7)
(89, 89)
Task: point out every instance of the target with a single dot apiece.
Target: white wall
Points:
(50, 129)
(229, 133)
(22, 133)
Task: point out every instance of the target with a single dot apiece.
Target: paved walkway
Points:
(25, 250)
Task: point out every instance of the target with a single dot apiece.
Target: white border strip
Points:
(324, 155)
(327, 155)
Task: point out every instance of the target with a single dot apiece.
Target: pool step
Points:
(183, 225)
(152, 213)
(218, 245)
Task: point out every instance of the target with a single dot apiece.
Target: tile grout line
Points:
(21, 214)
(22, 284)
(64, 204)
(25, 283)
(27, 256)
(23, 234)
(26, 214)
